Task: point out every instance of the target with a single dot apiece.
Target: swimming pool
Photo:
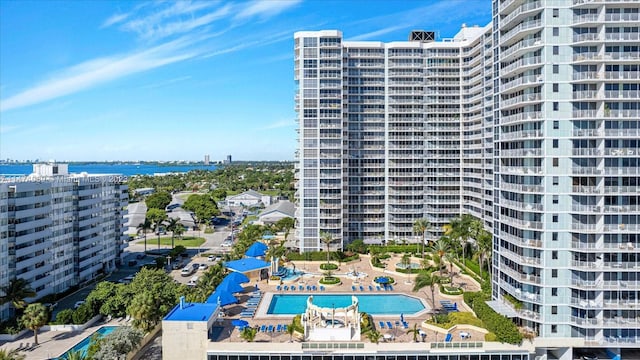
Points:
(84, 344)
(374, 304)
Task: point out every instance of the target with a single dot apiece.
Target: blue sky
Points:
(163, 80)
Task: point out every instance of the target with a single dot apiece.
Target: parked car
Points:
(195, 266)
(213, 258)
(184, 255)
(78, 304)
(187, 270)
(203, 266)
(193, 281)
(132, 263)
(177, 265)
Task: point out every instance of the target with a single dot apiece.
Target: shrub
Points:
(366, 323)
(504, 329)
(490, 337)
(11, 326)
(64, 317)
(450, 290)
(83, 314)
(274, 277)
(330, 280)
(328, 266)
(451, 319)
(384, 256)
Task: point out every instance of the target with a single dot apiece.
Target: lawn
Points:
(186, 241)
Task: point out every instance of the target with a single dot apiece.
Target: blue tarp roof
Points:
(236, 277)
(222, 298)
(257, 249)
(191, 312)
(246, 264)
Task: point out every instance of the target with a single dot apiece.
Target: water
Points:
(107, 168)
(84, 344)
(374, 304)
(414, 266)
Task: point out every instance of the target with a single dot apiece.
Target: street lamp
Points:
(169, 262)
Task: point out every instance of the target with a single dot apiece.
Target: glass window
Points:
(556, 69)
(556, 31)
(554, 236)
(556, 13)
(554, 255)
(556, 87)
(554, 273)
(554, 291)
(556, 50)
(556, 124)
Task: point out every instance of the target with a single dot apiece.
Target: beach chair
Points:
(270, 328)
(381, 323)
(293, 288)
(286, 287)
(405, 324)
(378, 288)
(370, 288)
(308, 287)
(390, 287)
(278, 328)
(278, 287)
(263, 328)
(321, 288)
(314, 288)
(448, 338)
(361, 288)
(300, 287)
(285, 327)
(389, 325)
(353, 287)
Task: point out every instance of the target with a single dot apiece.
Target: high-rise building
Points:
(529, 123)
(58, 229)
(206, 160)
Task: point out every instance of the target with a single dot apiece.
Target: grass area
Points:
(186, 241)
(455, 318)
(185, 196)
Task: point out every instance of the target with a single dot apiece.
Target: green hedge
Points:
(450, 290)
(328, 266)
(503, 328)
(330, 280)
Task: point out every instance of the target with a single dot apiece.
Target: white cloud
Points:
(8, 128)
(265, 8)
(102, 70)
(377, 33)
(279, 124)
(115, 19)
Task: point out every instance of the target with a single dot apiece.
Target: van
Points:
(193, 281)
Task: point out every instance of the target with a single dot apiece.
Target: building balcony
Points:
(622, 36)
(521, 30)
(586, 208)
(622, 304)
(526, 170)
(588, 37)
(586, 152)
(622, 170)
(585, 19)
(520, 12)
(585, 322)
(621, 284)
(520, 241)
(519, 49)
(621, 189)
(586, 170)
(624, 75)
(622, 113)
(587, 133)
(523, 134)
(525, 278)
(521, 82)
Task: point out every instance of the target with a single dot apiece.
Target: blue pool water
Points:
(84, 344)
(378, 304)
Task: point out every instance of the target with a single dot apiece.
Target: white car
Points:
(203, 266)
(78, 304)
(187, 270)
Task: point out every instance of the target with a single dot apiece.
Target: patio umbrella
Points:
(222, 298)
(239, 323)
(257, 249)
(237, 277)
(401, 317)
(230, 287)
(382, 280)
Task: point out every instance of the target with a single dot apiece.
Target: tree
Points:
(143, 227)
(35, 316)
(75, 355)
(415, 331)
(16, 291)
(178, 231)
(421, 226)
(440, 248)
(153, 293)
(248, 333)
(426, 279)
(358, 246)
(159, 200)
(119, 343)
(13, 354)
(374, 336)
(484, 244)
(203, 206)
(291, 329)
(157, 218)
(406, 262)
(172, 225)
(327, 239)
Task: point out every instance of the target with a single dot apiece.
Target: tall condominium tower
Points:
(391, 133)
(566, 189)
(530, 124)
(59, 229)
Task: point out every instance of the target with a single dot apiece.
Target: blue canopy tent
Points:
(222, 298)
(236, 277)
(256, 250)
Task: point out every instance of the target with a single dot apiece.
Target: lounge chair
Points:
(389, 325)
(353, 287)
(285, 327)
(321, 288)
(270, 328)
(405, 324)
(370, 288)
(378, 288)
(300, 287)
(390, 287)
(448, 338)
(314, 288)
(381, 323)
(361, 288)
(286, 287)
(278, 328)
(263, 328)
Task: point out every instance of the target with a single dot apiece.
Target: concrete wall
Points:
(184, 339)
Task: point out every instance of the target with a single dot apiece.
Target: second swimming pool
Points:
(374, 304)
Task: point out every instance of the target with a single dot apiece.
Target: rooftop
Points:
(191, 312)
(246, 264)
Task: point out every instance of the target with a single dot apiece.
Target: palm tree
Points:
(424, 279)
(249, 333)
(13, 354)
(35, 316)
(421, 226)
(440, 248)
(145, 226)
(290, 330)
(415, 331)
(406, 262)
(374, 336)
(75, 355)
(327, 239)
(16, 291)
(172, 225)
(178, 231)
(484, 245)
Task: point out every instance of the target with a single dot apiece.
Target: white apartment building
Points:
(530, 123)
(58, 229)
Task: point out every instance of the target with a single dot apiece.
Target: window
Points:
(555, 199)
(556, 87)
(556, 106)
(556, 50)
(554, 291)
(554, 236)
(556, 180)
(554, 310)
(556, 69)
(554, 273)
(554, 328)
(556, 13)
(556, 124)
(554, 255)
(555, 162)
(556, 31)
(556, 143)
(554, 218)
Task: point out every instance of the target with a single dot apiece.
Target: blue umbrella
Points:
(382, 280)
(257, 249)
(237, 277)
(239, 323)
(401, 317)
(229, 286)
(222, 298)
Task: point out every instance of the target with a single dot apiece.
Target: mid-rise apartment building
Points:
(530, 123)
(58, 229)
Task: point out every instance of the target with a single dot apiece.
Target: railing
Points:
(523, 8)
(586, 37)
(585, 18)
(622, 36)
(519, 29)
(518, 46)
(622, 17)
(622, 75)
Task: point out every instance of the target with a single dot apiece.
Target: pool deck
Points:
(401, 286)
(55, 343)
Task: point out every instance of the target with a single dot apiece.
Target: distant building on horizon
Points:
(58, 229)
(206, 160)
(227, 160)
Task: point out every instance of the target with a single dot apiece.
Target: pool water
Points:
(84, 344)
(378, 304)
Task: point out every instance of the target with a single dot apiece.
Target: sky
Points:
(102, 80)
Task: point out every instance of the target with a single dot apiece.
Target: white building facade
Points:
(58, 229)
